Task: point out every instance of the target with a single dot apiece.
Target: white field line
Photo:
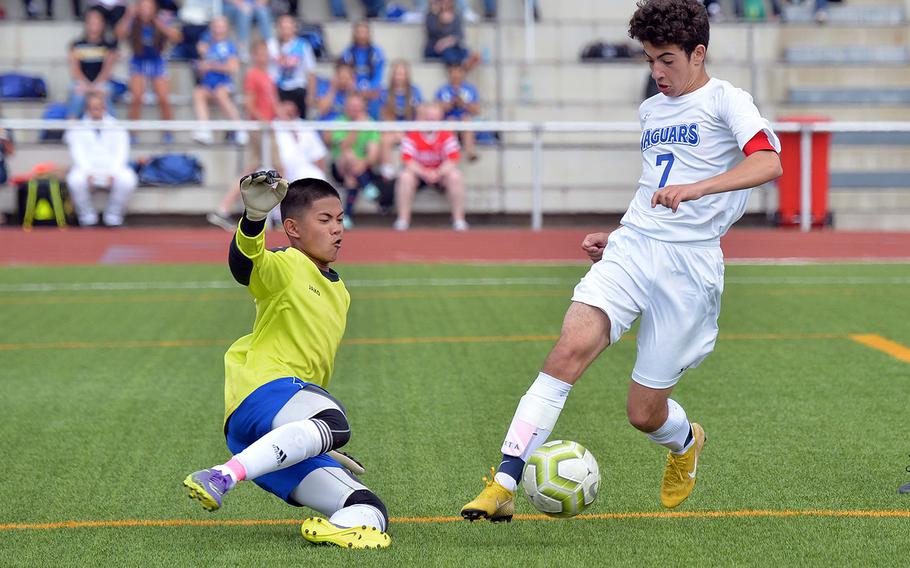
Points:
(806, 261)
(436, 282)
(228, 284)
(819, 280)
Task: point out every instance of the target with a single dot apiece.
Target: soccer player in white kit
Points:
(704, 145)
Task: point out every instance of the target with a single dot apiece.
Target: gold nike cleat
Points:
(495, 503)
(679, 475)
(321, 531)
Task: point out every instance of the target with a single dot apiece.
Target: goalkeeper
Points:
(281, 425)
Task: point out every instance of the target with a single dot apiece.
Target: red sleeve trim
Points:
(757, 143)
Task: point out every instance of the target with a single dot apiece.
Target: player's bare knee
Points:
(572, 354)
(337, 424)
(565, 362)
(644, 418)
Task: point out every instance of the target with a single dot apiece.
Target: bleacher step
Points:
(846, 55)
(852, 15)
(850, 95)
(876, 179)
(871, 138)
(878, 220)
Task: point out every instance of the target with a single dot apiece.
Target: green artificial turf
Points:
(110, 396)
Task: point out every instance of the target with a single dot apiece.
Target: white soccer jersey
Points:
(689, 139)
(298, 152)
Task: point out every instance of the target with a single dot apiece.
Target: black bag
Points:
(603, 51)
(44, 200)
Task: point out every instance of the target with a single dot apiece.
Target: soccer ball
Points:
(561, 478)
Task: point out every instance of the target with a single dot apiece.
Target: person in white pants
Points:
(100, 160)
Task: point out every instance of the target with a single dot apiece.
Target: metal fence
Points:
(537, 130)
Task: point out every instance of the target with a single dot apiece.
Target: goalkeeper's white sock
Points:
(676, 432)
(233, 470)
(358, 515)
(283, 447)
(532, 424)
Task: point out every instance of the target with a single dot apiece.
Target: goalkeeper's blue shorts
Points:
(253, 420)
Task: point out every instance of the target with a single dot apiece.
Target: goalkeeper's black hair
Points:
(302, 193)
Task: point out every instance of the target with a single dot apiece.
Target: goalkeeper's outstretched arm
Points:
(250, 263)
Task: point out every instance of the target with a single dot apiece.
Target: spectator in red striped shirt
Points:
(430, 158)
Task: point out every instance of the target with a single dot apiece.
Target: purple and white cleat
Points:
(208, 487)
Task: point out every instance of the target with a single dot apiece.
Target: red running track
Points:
(162, 245)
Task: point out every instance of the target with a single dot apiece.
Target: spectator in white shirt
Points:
(301, 152)
(100, 160)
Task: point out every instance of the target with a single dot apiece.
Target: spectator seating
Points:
(847, 71)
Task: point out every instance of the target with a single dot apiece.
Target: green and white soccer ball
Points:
(561, 478)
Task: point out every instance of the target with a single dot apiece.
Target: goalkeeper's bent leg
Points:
(312, 422)
(292, 443)
(357, 517)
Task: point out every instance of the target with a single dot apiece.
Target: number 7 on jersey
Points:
(661, 158)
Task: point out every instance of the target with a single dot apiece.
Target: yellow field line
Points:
(879, 343)
(779, 336)
(751, 513)
(465, 339)
(460, 294)
(378, 341)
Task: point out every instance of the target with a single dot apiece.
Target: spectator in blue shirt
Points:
(397, 102)
(367, 59)
(331, 101)
(148, 30)
(292, 65)
(460, 101)
(217, 65)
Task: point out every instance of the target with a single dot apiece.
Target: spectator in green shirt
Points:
(354, 154)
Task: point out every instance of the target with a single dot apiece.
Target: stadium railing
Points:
(537, 131)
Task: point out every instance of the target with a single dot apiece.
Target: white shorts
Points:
(675, 289)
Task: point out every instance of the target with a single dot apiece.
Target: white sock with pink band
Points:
(233, 469)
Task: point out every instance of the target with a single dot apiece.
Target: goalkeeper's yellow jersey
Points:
(300, 319)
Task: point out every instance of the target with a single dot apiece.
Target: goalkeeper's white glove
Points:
(261, 192)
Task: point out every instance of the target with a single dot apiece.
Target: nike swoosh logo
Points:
(694, 468)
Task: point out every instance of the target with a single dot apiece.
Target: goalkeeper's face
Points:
(317, 230)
